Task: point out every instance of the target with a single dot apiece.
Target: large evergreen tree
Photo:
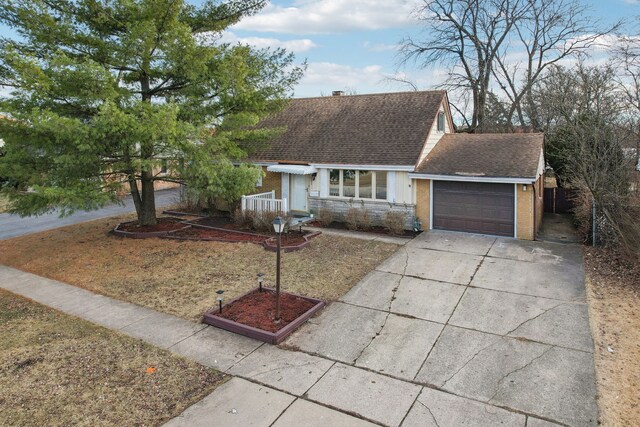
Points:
(104, 91)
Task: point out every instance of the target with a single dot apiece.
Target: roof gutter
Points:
(488, 179)
(397, 168)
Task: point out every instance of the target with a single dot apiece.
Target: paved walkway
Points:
(453, 329)
(14, 225)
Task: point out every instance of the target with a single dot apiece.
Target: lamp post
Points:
(260, 281)
(278, 226)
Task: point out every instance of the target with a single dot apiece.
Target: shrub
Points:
(262, 221)
(244, 219)
(325, 216)
(357, 219)
(394, 222)
(190, 201)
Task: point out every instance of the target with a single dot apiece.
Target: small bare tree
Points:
(586, 137)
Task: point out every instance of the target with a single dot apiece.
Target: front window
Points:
(349, 183)
(359, 184)
(381, 185)
(334, 182)
(365, 184)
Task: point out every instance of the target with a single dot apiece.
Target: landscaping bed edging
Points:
(270, 244)
(211, 318)
(146, 234)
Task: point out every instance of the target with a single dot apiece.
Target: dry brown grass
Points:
(59, 370)
(181, 277)
(613, 293)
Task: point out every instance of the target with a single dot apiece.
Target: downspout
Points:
(535, 217)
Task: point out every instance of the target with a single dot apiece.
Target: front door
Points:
(298, 193)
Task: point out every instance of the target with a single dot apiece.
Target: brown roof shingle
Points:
(379, 129)
(485, 155)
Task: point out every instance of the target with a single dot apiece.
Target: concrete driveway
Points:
(14, 225)
(461, 329)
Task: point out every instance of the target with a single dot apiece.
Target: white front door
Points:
(298, 193)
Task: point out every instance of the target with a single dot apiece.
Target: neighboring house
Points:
(396, 151)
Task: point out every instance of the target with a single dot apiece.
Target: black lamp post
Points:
(278, 226)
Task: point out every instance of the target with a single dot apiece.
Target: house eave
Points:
(474, 178)
(397, 168)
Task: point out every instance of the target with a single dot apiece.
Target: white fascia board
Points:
(488, 179)
(397, 168)
(540, 164)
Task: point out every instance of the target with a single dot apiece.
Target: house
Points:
(397, 152)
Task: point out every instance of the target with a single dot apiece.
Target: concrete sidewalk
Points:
(14, 225)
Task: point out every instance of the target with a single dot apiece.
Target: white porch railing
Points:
(264, 202)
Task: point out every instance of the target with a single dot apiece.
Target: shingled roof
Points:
(485, 155)
(379, 129)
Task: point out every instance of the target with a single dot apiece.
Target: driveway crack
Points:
(504, 377)
(393, 297)
(467, 362)
(533, 318)
(430, 413)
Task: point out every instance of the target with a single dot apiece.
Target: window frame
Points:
(441, 121)
(374, 184)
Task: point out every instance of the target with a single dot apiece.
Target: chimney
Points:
(337, 93)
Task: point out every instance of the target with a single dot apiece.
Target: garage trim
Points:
(495, 180)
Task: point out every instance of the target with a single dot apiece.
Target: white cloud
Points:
(324, 77)
(632, 1)
(331, 16)
(296, 46)
(380, 47)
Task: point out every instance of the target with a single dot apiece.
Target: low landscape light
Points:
(260, 280)
(220, 299)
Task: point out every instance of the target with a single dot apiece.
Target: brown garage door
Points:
(474, 207)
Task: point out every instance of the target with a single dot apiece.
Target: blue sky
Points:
(351, 44)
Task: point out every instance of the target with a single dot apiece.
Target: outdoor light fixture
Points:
(278, 226)
(220, 299)
(524, 187)
(260, 280)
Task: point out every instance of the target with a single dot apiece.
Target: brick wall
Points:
(270, 181)
(524, 217)
(423, 188)
(376, 209)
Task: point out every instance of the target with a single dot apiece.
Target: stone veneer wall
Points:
(376, 209)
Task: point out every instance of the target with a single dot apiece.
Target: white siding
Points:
(404, 192)
(434, 134)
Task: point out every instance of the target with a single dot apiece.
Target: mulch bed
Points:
(163, 224)
(258, 309)
(195, 233)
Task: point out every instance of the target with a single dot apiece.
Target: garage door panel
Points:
(474, 207)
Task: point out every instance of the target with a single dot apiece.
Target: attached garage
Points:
(482, 183)
(474, 207)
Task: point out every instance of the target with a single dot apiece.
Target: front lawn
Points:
(613, 292)
(181, 277)
(59, 370)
